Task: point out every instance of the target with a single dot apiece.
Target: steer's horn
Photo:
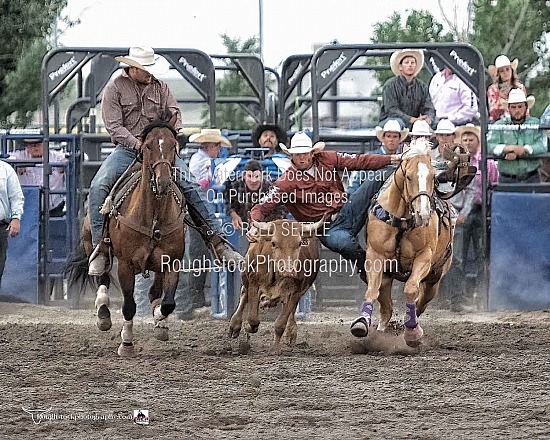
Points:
(265, 227)
(309, 228)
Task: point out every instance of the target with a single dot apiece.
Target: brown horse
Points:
(146, 231)
(412, 230)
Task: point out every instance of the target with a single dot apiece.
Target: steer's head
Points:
(286, 237)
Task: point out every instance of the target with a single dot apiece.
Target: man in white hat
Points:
(211, 141)
(444, 134)
(513, 139)
(421, 129)
(391, 136)
(131, 102)
(404, 96)
(311, 189)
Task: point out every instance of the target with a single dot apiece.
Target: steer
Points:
(278, 268)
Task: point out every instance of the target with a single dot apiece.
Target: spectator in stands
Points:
(469, 136)
(404, 96)
(130, 102)
(512, 139)
(11, 210)
(453, 285)
(452, 98)
(33, 175)
(311, 189)
(211, 141)
(505, 79)
(391, 136)
(444, 134)
(421, 129)
(200, 164)
(269, 136)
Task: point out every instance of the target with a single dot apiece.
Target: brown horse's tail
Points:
(78, 280)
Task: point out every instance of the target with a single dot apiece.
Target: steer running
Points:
(279, 267)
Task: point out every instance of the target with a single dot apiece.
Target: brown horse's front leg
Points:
(127, 278)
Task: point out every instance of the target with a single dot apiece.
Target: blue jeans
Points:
(115, 165)
(3, 249)
(342, 235)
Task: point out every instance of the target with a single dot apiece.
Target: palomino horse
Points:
(146, 230)
(411, 227)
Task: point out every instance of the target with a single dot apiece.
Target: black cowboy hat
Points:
(281, 135)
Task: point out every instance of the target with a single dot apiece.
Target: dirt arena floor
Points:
(476, 376)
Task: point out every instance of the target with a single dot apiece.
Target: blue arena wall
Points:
(520, 251)
(20, 280)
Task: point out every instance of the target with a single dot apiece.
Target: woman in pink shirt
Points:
(504, 79)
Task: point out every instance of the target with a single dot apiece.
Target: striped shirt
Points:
(127, 109)
(404, 100)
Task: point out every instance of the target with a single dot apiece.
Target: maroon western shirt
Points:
(308, 197)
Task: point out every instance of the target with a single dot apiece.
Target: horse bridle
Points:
(154, 186)
(409, 203)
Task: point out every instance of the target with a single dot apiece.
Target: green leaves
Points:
(25, 27)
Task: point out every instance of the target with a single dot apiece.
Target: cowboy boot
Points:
(223, 251)
(97, 261)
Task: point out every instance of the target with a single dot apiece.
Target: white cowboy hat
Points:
(302, 143)
(421, 128)
(515, 96)
(501, 61)
(144, 58)
(397, 57)
(468, 128)
(393, 126)
(209, 135)
(444, 126)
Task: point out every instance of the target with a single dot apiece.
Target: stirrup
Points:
(97, 263)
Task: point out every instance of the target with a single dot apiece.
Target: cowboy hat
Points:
(501, 61)
(421, 128)
(281, 135)
(302, 143)
(397, 57)
(32, 141)
(393, 126)
(468, 128)
(516, 96)
(144, 58)
(444, 126)
(209, 135)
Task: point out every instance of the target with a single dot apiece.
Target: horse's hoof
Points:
(413, 336)
(360, 327)
(161, 333)
(104, 324)
(234, 332)
(251, 328)
(125, 350)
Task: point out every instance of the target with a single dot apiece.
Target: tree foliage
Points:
(25, 26)
(521, 27)
(232, 84)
